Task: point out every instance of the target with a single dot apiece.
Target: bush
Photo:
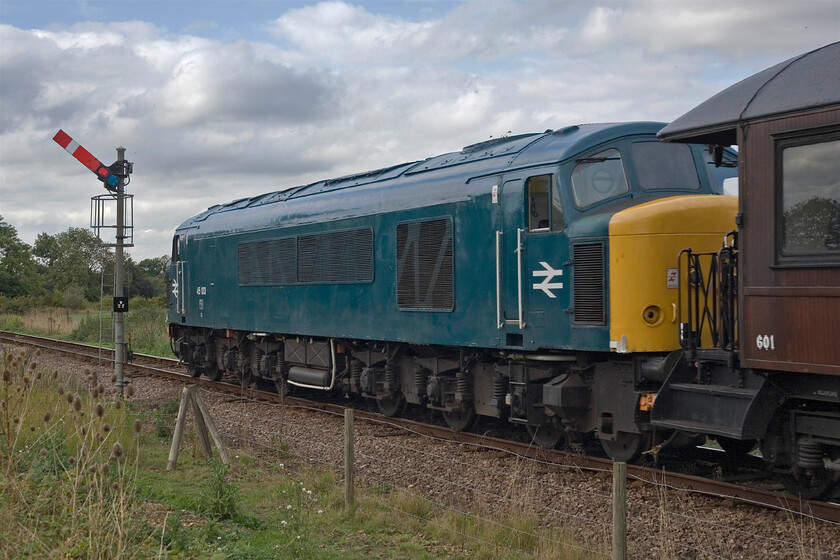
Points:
(17, 305)
(140, 302)
(73, 297)
(89, 328)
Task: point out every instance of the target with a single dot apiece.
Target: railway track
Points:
(170, 369)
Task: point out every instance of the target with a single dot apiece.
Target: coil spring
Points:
(355, 374)
(420, 379)
(390, 377)
(210, 353)
(462, 383)
(810, 454)
(499, 389)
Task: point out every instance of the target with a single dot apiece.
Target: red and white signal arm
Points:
(85, 158)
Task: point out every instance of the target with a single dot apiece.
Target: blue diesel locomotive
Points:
(531, 278)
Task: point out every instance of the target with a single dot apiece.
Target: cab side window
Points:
(175, 252)
(544, 210)
(598, 177)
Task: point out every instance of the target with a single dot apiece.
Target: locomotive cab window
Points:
(598, 177)
(544, 211)
(175, 253)
(662, 166)
(808, 175)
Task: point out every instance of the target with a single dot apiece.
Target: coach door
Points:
(532, 253)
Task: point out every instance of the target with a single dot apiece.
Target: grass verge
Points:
(83, 477)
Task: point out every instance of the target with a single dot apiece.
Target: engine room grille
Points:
(329, 258)
(266, 263)
(425, 266)
(337, 257)
(588, 277)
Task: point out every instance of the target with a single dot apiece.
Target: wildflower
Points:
(284, 523)
(92, 469)
(104, 468)
(100, 410)
(77, 403)
(60, 388)
(129, 391)
(117, 450)
(95, 392)
(320, 511)
(72, 460)
(47, 416)
(43, 452)
(106, 427)
(138, 426)
(289, 506)
(31, 428)
(84, 430)
(16, 420)
(118, 404)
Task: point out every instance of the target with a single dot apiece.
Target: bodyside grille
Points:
(425, 266)
(330, 258)
(588, 276)
(266, 263)
(338, 257)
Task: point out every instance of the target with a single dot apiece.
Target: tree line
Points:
(65, 268)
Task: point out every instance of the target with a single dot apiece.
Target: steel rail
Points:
(171, 369)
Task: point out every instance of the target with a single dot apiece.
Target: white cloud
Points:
(342, 89)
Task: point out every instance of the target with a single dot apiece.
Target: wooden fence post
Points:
(619, 511)
(179, 429)
(203, 424)
(349, 473)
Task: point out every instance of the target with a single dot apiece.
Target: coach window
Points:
(809, 221)
(598, 177)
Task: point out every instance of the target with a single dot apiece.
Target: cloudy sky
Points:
(217, 100)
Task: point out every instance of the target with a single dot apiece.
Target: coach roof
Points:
(807, 81)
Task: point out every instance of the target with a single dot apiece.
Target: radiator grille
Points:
(330, 258)
(338, 257)
(266, 263)
(425, 266)
(588, 278)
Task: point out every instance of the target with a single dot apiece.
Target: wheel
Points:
(813, 484)
(246, 378)
(391, 406)
(193, 370)
(213, 372)
(820, 484)
(626, 448)
(735, 447)
(462, 419)
(550, 435)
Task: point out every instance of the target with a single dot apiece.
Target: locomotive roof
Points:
(807, 81)
(410, 184)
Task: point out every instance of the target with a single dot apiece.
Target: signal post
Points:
(115, 178)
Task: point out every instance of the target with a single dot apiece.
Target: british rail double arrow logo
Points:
(548, 275)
